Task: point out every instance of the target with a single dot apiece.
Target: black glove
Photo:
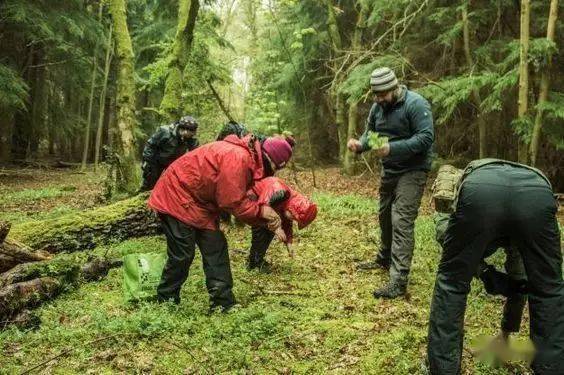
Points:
(499, 283)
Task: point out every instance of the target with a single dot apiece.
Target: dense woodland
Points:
(89, 81)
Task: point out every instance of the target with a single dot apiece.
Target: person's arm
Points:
(153, 146)
(370, 127)
(231, 193)
(421, 119)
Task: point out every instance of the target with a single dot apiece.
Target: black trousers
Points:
(261, 240)
(500, 201)
(400, 198)
(181, 244)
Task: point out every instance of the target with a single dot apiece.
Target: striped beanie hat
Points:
(383, 79)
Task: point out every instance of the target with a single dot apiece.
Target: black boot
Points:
(393, 289)
(260, 265)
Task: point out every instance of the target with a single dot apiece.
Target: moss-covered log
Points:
(67, 269)
(29, 284)
(16, 297)
(13, 252)
(78, 231)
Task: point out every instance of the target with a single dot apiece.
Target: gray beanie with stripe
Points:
(383, 79)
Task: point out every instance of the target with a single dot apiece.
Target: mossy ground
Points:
(313, 314)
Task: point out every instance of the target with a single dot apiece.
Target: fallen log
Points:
(30, 284)
(16, 297)
(13, 252)
(67, 268)
(78, 231)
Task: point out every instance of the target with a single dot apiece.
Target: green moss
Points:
(68, 228)
(327, 322)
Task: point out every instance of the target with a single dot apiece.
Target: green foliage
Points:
(13, 89)
(32, 195)
(375, 141)
(451, 92)
(289, 320)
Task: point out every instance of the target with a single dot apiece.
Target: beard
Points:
(386, 105)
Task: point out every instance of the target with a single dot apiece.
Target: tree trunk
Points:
(130, 176)
(353, 107)
(171, 105)
(340, 116)
(353, 124)
(121, 220)
(338, 99)
(475, 93)
(102, 105)
(16, 297)
(523, 102)
(13, 252)
(91, 99)
(544, 85)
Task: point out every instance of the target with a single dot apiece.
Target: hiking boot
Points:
(390, 290)
(375, 264)
(262, 266)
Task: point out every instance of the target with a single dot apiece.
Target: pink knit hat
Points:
(278, 150)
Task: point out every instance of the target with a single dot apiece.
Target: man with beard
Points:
(405, 118)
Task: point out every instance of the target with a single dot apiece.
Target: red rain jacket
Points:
(212, 178)
(303, 210)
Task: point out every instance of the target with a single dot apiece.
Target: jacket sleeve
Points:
(153, 145)
(370, 127)
(231, 190)
(421, 119)
(272, 191)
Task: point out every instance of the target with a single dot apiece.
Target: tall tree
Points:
(523, 103)
(544, 84)
(482, 136)
(125, 101)
(171, 105)
(338, 99)
(102, 102)
(356, 46)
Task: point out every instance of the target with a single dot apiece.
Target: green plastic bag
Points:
(141, 275)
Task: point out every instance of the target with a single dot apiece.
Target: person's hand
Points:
(273, 220)
(383, 151)
(354, 145)
(290, 248)
(223, 226)
(280, 235)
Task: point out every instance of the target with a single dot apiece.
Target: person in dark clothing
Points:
(511, 284)
(405, 118)
(165, 146)
(510, 203)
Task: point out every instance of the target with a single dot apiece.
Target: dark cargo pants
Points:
(181, 244)
(400, 198)
(261, 239)
(514, 304)
(500, 201)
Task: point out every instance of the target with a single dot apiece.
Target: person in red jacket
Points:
(290, 205)
(189, 196)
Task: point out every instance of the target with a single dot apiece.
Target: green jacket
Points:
(408, 124)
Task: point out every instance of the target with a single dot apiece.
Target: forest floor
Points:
(313, 314)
